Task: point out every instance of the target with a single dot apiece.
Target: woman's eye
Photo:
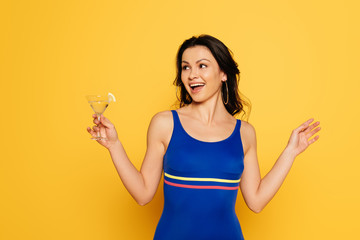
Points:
(203, 66)
(185, 67)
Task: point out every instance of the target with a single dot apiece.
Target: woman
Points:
(203, 150)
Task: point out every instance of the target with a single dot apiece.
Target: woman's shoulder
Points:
(162, 117)
(248, 134)
(162, 121)
(247, 127)
(162, 125)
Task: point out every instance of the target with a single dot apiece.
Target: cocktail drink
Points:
(99, 103)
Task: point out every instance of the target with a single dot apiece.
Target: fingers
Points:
(103, 120)
(102, 131)
(310, 130)
(92, 132)
(106, 122)
(303, 126)
(96, 120)
(95, 129)
(311, 127)
(313, 140)
(309, 134)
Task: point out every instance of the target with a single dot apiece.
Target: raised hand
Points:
(299, 139)
(107, 130)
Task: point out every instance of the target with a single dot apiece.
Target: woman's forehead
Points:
(196, 53)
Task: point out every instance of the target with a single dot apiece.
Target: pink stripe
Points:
(200, 187)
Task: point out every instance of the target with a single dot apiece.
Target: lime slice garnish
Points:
(111, 97)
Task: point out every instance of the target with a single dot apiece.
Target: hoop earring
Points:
(176, 93)
(227, 94)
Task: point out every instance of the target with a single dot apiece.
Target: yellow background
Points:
(298, 59)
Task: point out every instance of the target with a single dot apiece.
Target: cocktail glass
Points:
(99, 103)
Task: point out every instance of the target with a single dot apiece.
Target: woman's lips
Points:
(197, 89)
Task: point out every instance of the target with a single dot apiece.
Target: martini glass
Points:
(99, 103)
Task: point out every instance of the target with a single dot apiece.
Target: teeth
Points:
(197, 84)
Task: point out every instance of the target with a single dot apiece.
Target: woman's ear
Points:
(223, 77)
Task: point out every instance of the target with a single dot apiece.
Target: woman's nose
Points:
(193, 74)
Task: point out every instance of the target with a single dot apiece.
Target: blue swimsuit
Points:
(201, 181)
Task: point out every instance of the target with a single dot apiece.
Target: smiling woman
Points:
(221, 58)
(203, 152)
(199, 79)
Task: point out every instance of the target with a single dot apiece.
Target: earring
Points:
(176, 93)
(227, 94)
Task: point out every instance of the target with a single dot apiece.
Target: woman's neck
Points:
(210, 111)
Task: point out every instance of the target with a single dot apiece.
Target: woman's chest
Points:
(205, 158)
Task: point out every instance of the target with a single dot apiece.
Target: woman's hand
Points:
(107, 130)
(299, 139)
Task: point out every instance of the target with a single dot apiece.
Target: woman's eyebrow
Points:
(202, 59)
(197, 60)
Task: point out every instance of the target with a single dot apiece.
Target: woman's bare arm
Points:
(258, 192)
(142, 185)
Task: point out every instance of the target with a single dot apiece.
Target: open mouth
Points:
(197, 86)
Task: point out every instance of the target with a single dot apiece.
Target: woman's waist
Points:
(204, 199)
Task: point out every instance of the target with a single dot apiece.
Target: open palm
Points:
(299, 139)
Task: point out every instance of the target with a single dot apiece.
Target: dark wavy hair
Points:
(223, 56)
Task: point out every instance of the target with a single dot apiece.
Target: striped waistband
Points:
(201, 183)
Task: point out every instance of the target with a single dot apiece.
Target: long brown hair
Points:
(223, 56)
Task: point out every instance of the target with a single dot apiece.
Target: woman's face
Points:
(201, 74)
